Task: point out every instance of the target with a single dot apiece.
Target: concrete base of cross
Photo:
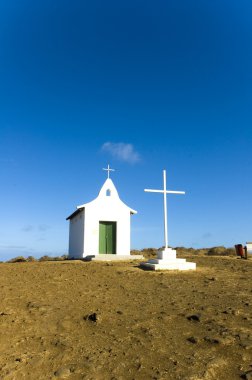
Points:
(167, 260)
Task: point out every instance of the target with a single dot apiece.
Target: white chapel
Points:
(100, 229)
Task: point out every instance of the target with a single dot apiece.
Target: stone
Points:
(194, 317)
(247, 375)
(191, 339)
(211, 340)
(62, 372)
(91, 317)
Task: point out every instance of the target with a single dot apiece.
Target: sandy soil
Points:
(87, 320)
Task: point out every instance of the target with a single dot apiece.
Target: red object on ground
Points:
(239, 250)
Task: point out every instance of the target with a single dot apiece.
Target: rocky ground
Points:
(89, 320)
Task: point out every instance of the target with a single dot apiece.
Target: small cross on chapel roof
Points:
(108, 169)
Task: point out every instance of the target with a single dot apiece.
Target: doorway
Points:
(107, 237)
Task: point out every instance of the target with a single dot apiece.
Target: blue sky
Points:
(141, 85)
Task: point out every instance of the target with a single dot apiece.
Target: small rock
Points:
(246, 343)
(62, 372)
(211, 340)
(91, 317)
(243, 335)
(191, 339)
(236, 312)
(226, 340)
(247, 375)
(194, 317)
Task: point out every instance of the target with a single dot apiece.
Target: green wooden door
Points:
(107, 237)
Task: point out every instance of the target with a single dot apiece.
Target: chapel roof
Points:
(113, 193)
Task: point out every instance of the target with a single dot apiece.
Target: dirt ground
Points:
(89, 320)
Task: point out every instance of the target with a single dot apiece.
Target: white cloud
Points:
(43, 227)
(28, 228)
(12, 246)
(207, 235)
(122, 151)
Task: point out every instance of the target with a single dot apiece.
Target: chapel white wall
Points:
(107, 210)
(76, 236)
(249, 247)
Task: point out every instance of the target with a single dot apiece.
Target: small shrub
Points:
(55, 258)
(149, 252)
(18, 259)
(135, 252)
(230, 252)
(45, 258)
(31, 259)
(221, 251)
(58, 258)
(202, 251)
(186, 251)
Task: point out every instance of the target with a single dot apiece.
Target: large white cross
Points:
(109, 170)
(165, 205)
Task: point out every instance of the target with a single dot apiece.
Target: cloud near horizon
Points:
(121, 151)
(40, 227)
(207, 235)
(43, 227)
(27, 228)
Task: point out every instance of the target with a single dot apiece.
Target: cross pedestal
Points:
(166, 258)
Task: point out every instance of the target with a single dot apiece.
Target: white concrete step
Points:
(170, 261)
(168, 266)
(109, 257)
